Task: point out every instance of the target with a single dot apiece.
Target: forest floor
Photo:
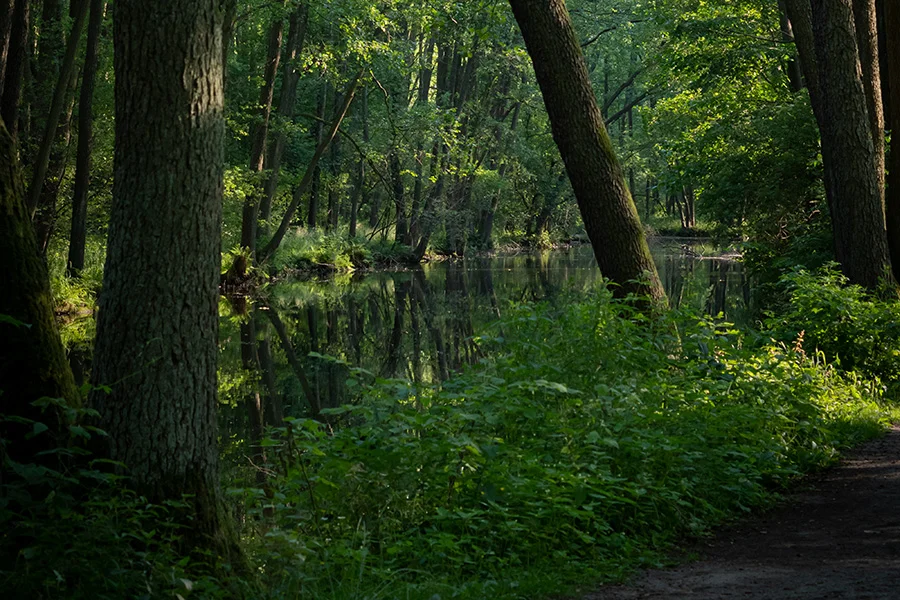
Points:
(836, 536)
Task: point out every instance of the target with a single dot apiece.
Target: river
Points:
(292, 354)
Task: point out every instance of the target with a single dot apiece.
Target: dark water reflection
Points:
(418, 324)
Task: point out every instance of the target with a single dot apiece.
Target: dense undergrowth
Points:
(588, 441)
(318, 251)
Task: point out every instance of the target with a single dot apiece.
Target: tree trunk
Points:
(32, 359)
(6, 16)
(318, 131)
(287, 99)
(259, 134)
(791, 67)
(15, 66)
(157, 329)
(857, 204)
(867, 42)
(608, 211)
(66, 72)
(301, 188)
(78, 232)
(892, 23)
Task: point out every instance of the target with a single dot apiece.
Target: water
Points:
(417, 324)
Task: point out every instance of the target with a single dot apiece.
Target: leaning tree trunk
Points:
(608, 211)
(32, 359)
(78, 231)
(858, 222)
(157, 328)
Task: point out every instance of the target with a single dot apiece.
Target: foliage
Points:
(72, 529)
(586, 446)
(320, 251)
(856, 331)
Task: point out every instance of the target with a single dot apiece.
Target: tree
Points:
(609, 214)
(78, 231)
(892, 202)
(157, 327)
(32, 360)
(835, 41)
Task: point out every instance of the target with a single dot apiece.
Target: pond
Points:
(293, 354)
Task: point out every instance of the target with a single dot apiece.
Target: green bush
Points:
(586, 447)
(855, 330)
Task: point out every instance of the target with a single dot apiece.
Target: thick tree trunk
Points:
(78, 232)
(32, 359)
(15, 66)
(867, 45)
(892, 23)
(157, 327)
(857, 203)
(608, 211)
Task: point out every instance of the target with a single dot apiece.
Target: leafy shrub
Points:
(585, 447)
(856, 331)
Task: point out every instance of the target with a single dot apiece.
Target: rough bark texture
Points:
(892, 23)
(158, 322)
(32, 360)
(858, 220)
(78, 232)
(608, 211)
(867, 45)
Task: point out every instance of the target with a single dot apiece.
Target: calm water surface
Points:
(417, 324)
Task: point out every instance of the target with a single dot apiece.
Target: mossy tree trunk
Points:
(32, 360)
(157, 327)
(607, 209)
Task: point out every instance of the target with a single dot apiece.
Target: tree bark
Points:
(32, 359)
(867, 45)
(607, 209)
(849, 153)
(892, 202)
(78, 232)
(157, 329)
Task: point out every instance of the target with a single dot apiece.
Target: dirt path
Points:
(839, 537)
